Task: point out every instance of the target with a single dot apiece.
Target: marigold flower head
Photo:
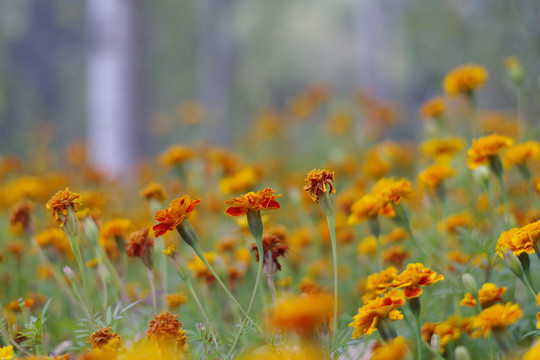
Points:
(413, 278)
(261, 200)
(485, 147)
(495, 317)
(447, 331)
(6, 352)
(525, 238)
(395, 349)
(393, 190)
(533, 353)
(442, 148)
(175, 155)
(239, 181)
(378, 283)
(171, 217)
(520, 154)
(365, 322)
(61, 202)
(170, 251)
(395, 255)
(433, 108)
(455, 222)
(434, 175)
(369, 206)
(175, 300)
(115, 228)
(487, 295)
(154, 191)
(102, 337)
(273, 247)
(465, 79)
(302, 314)
(138, 242)
(318, 181)
(165, 327)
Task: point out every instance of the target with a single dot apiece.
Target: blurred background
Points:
(130, 77)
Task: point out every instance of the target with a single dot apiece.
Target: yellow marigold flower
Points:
(242, 255)
(103, 336)
(533, 353)
(433, 108)
(165, 329)
(57, 238)
(496, 317)
(302, 314)
(285, 282)
(520, 154)
(200, 270)
(395, 349)
(115, 228)
(367, 246)
(92, 263)
(286, 352)
(442, 148)
(504, 243)
(369, 206)
(365, 322)
(61, 202)
(171, 217)
(175, 300)
(485, 147)
(319, 181)
(434, 175)
(447, 332)
(413, 278)
(240, 181)
(465, 79)
(6, 352)
(458, 221)
(487, 295)
(170, 251)
(393, 190)
(175, 155)
(374, 165)
(538, 314)
(396, 235)
(154, 191)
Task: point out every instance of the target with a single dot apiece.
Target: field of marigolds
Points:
(382, 250)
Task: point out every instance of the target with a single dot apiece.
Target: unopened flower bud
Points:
(470, 283)
(68, 272)
(513, 263)
(436, 343)
(462, 353)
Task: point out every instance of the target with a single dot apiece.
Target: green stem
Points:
(332, 228)
(152, 289)
(418, 336)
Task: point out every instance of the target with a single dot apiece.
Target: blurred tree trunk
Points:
(215, 66)
(115, 111)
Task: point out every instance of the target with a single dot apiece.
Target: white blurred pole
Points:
(113, 108)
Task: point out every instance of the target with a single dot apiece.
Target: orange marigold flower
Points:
(102, 337)
(154, 191)
(433, 108)
(434, 175)
(395, 255)
(171, 217)
(414, 277)
(365, 322)
(395, 349)
(447, 332)
(61, 202)
(261, 200)
(465, 79)
(520, 154)
(273, 247)
(164, 327)
(302, 314)
(533, 352)
(175, 155)
(487, 295)
(526, 237)
(319, 181)
(175, 300)
(486, 147)
(455, 222)
(369, 206)
(496, 317)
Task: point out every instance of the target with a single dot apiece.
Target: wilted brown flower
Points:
(273, 247)
(61, 202)
(319, 181)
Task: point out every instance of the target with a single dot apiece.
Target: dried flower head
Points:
(261, 200)
(165, 329)
(21, 215)
(171, 217)
(273, 248)
(319, 181)
(102, 337)
(61, 202)
(138, 242)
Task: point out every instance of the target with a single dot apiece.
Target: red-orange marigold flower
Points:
(413, 277)
(171, 217)
(102, 337)
(138, 242)
(261, 200)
